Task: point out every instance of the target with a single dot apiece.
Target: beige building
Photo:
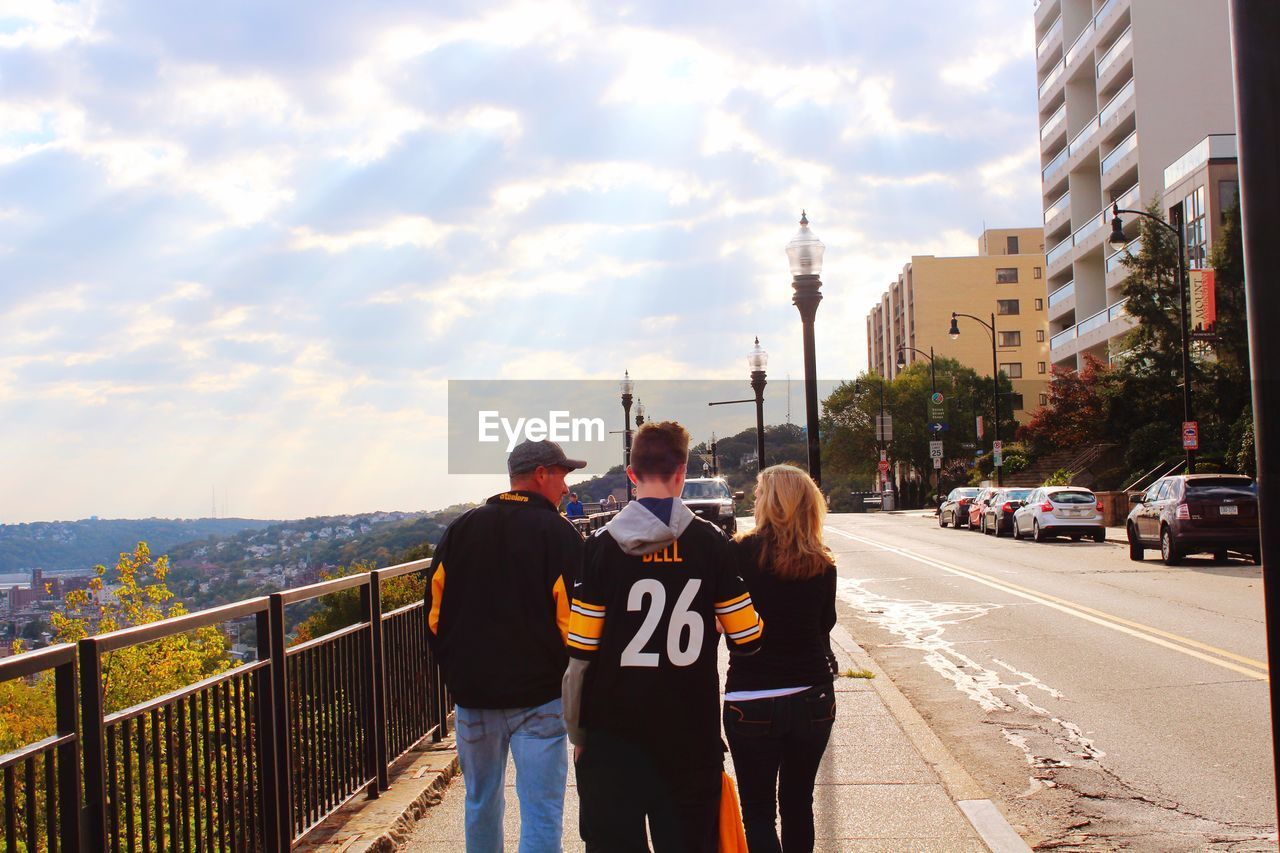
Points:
(1126, 87)
(1006, 278)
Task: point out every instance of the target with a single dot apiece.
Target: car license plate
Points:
(1228, 510)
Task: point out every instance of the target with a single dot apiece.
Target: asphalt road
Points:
(1105, 704)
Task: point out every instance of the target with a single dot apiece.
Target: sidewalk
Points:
(887, 783)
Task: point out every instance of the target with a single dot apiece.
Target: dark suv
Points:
(710, 498)
(1192, 513)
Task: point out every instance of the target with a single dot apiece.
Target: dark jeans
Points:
(623, 782)
(777, 745)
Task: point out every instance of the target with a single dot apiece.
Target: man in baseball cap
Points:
(497, 619)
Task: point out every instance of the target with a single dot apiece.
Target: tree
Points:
(340, 609)
(138, 596)
(1076, 411)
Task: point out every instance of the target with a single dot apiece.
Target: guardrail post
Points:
(371, 598)
(270, 773)
(275, 649)
(94, 739)
(68, 722)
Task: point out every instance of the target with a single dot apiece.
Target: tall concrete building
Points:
(1126, 88)
(1005, 278)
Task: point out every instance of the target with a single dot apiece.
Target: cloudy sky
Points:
(245, 244)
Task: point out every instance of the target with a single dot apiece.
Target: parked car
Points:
(710, 498)
(1060, 511)
(1191, 513)
(998, 516)
(954, 509)
(978, 507)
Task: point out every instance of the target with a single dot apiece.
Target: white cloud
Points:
(417, 231)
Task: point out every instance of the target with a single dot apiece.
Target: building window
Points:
(1012, 369)
(1044, 399)
(1193, 210)
(1011, 245)
(1015, 402)
(1039, 367)
(1011, 339)
(1228, 198)
(1037, 272)
(1005, 307)
(1007, 275)
(1039, 336)
(1039, 304)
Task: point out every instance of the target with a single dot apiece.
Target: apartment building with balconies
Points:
(1005, 278)
(1126, 87)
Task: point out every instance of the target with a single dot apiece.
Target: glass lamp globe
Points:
(805, 250)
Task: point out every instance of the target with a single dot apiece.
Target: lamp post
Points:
(954, 332)
(804, 253)
(715, 463)
(933, 384)
(639, 414)
(627, 386)
(1118, 241)
(757, 361)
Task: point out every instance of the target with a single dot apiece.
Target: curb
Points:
(986, 819)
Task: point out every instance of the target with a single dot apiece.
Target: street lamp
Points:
(757, 360)
(627, 386)
(1119, 241)
(639, 414)
(805, 255)
(933, 384)
(954, 332)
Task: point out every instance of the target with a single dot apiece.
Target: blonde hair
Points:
(789, 512)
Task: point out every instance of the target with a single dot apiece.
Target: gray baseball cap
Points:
(528, 455)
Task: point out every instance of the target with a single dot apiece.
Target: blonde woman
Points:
(779, 705)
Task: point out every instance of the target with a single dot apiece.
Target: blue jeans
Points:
(537, 741)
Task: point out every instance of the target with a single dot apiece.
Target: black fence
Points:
(252, 758)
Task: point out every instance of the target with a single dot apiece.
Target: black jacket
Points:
(498, 601)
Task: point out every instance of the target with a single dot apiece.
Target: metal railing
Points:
(1086, 133)
(1067, 290)
(1054, 30)
(1058, 207)
(1125, 39)
(1052, 77)
(1055, 166)
(250, 758)
(1061, 339)
(1053, 122)
(1123, 97)
(1058, 251)
(1081, 42)
(1126, 147)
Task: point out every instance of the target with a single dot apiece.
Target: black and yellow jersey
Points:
(647, 625)
(498, 601)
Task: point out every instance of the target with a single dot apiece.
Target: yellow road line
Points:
(1176, 642)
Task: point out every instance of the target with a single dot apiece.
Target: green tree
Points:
(138, 595)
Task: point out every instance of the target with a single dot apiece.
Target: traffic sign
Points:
(884, 466)
(1190, 435)
(937, 412)
(997, 453)
(884, 427)
(936, 398)
(884, 454)
(935, 450)
(997, 446)
(937, 426)
(937, 462)
(967, 445)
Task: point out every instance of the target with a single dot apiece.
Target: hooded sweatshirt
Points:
(642, 630)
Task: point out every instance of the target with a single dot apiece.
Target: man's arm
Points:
(433, 598)
(586, 627)
(742, 626)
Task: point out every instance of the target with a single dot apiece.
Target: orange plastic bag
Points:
(733, 838)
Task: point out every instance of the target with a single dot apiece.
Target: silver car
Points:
(1060, 511)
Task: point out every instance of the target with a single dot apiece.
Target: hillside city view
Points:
(986, 273)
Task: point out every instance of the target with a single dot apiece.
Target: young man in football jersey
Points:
(641, 694)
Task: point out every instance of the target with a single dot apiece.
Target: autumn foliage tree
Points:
(1076, 411)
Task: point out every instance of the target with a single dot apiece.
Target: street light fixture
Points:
(627, 387)
(639, 414)
(757, 360)
(805, 253)
(954, 332)
(1118, 241)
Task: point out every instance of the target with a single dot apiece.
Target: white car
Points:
(1060, 511)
